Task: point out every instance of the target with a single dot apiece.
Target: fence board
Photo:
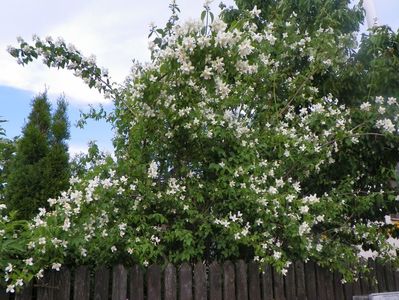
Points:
(119, 283)
(136, 285)
(373, 276)
(185, 282)
(338, 287)
(290, 288)
(81, 289)
(62, 282)
(329, 284)
(389, 276)
(310, 276)
(348, 288)
(154, 282)
(3, 294)
(101, 283)
(300, 280)
(254, 282)
(25, 294)
(170, 282)
(45, 285)
(215, 281)
(365, 285)
(278, 285)
(396, 278)
(380, 278)
(321, 283)
(357, 291)
(267, 283)
(200, 286)
(241, 280)
(229, 288)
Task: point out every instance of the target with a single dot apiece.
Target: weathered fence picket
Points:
(81, 288)
(185, 282)
(170, 286)
(119, 283)
(229, 278)
(200, 286)
(101, 283)
(136, 283)
(218, 281)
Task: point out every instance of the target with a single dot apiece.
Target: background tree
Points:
(6, 151)
(39, 169)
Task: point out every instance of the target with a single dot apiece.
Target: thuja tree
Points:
(215, 145)
(39, 169)
(6, 151)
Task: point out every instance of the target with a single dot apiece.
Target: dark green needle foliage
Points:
(40, 169)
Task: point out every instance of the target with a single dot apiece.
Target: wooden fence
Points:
(228, 281)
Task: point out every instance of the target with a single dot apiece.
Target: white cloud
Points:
(116, 32)
(75, 149)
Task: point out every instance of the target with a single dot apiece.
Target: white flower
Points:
(245, 48)
(155, 240)
(19, 282)
(388, 220)
(113, 249)
(255, 12)
(304, 228)
(379, 99)
(29, 261)
(56, 266)
(83, 252)
(153, 170)
(386, 124)
(207, 73)
(391, 100)
(40, 274)
(276, 255)
(304, 209)
(9, 268)
(66, 225)
(10, 288)
(365, 106)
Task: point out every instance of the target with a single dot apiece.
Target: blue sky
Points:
(115, 31)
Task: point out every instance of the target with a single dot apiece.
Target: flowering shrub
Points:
(216, 150)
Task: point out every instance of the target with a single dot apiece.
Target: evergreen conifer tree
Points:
(39, 170)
